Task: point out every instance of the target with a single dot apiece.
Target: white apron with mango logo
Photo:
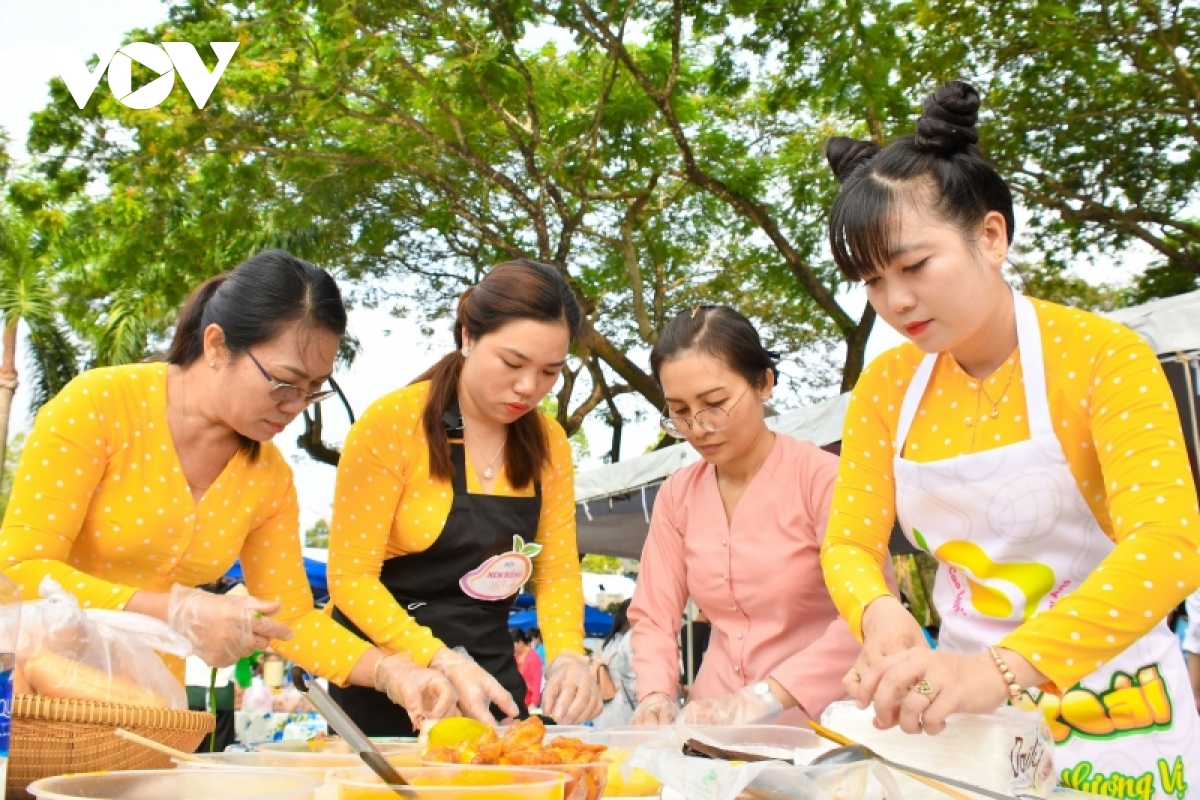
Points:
(1013, 535)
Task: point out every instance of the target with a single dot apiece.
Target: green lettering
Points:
(1171, 778)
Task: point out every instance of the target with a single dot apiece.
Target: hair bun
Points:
(846, 155)
(948, 123)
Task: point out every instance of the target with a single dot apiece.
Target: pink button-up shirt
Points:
(758, 579)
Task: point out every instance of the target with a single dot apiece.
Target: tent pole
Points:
(1191, 390)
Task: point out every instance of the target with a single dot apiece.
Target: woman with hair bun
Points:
(141, 482)
(740, 533)
(455, 491)
(1034, 450)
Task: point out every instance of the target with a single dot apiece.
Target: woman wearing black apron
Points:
(454, 492)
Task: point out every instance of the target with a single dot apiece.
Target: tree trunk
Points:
(8, 384)
(856, 348)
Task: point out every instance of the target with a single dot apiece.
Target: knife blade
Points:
(955, 782)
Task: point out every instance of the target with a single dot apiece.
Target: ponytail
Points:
(188, 344)
(443, 391)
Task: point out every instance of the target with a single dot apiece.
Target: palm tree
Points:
(27, 294)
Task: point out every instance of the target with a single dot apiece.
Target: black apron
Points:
(478, 527)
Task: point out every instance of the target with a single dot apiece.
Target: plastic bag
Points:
(709, 779)
(105, 656)
(258, 699)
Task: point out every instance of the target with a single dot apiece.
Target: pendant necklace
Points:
(995, 403)
(487, 471)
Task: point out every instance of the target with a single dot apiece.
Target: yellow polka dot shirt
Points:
(1116, 419)
(100, 504)
(386, 504)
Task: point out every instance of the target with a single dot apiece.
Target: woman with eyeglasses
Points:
(453, 493)
(139, 483)
(739, 532)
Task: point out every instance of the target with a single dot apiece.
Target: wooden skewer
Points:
(837, 738)
(153, 745)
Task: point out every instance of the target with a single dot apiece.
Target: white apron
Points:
(1012, 534)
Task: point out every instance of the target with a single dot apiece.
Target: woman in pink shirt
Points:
(740, 532)
(529, 664)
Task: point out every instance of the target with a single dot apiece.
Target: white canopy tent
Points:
(614, 502)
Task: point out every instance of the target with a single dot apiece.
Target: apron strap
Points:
(1033, 367)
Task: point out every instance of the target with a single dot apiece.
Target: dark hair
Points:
(519, 636)
(719, 331)
(941, 159)
(252, 304)
(511, 291)
(535, 633)
(620, 622)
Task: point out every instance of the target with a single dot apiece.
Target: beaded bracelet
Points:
(1014, 689)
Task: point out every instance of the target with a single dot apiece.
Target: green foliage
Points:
(1165, 280)
(317, 535)
(9, 468)
(656, 153)
(1048, 282)
(1092, 110)
(602, 565)
(30, 292)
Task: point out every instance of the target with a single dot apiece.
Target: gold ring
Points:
(852, 672)
(923, 687)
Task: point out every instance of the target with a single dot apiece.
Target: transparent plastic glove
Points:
(571, 695)
(656, 709)
(476, 688)
(223, 628)
(743, 707)
(423, 693)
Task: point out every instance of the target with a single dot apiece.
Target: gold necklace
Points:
(995, 403)
(487, 471)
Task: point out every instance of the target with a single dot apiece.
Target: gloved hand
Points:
(476, 688)
(423, 693)
(571, 695)
(656, 708)
(223, 628)
(743, 707)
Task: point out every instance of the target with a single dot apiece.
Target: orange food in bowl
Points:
(523, 745)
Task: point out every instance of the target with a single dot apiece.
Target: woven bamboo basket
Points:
(55, 737)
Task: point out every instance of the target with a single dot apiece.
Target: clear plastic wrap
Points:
(107, 656)
(709, 779)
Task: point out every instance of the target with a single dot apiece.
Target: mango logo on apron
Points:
(1032, 580)
(1133, 704)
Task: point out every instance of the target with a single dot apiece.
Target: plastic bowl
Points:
(314, 765)
(157, 784)
(451, 783)
(584, 781)
(336, 746)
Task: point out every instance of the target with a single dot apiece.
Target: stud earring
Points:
(466, 351)
(213, 364)
(999, 255)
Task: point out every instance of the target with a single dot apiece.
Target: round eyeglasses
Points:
(290, 393)
(713, 419)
